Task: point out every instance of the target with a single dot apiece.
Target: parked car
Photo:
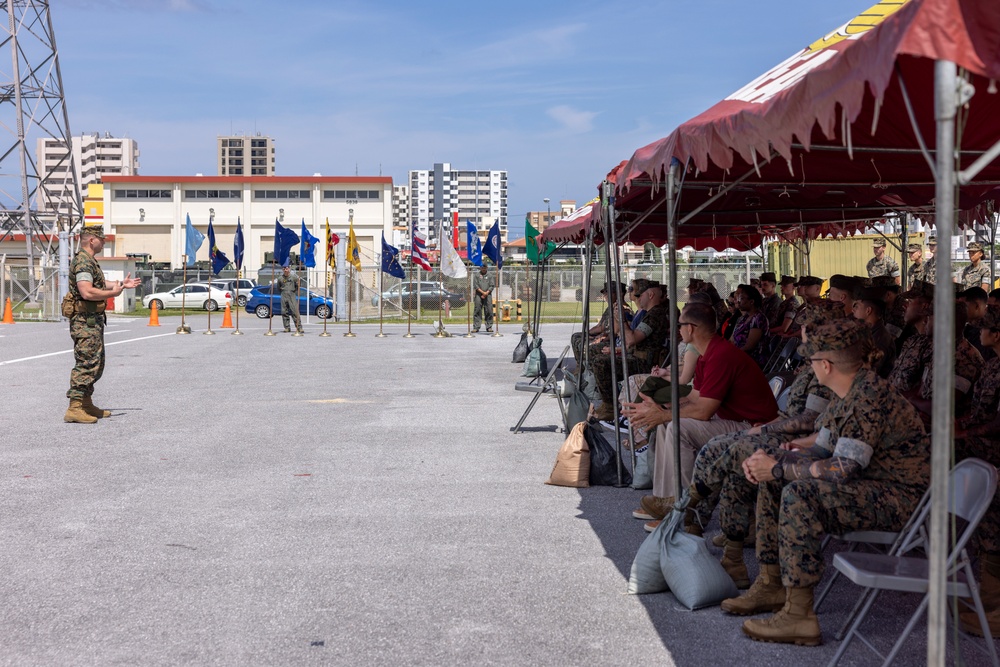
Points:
(431, 294)
(261, 303)
(231, 284)
(193, 295)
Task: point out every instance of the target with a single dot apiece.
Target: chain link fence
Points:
(15, 285)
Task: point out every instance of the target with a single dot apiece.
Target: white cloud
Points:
(572, 120)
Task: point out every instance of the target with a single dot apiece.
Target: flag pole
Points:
(270, 309)
(499, 309)
(326, 279)
(440, 331)
(468, 303)
(239, 274)
(209, 332)
(184, 328)
(409, 313)
(381, 290)
(350, 288)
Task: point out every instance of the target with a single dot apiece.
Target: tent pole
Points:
(611, 250)
(675, 396)
(942, 405)
(588, 262)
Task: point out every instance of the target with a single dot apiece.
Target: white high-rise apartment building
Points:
(401, 206)
(479, 196)
(93, 157)
(243, 155)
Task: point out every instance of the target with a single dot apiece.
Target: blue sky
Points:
(554, 92)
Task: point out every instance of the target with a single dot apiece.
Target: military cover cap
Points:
(974, 246)
(768, 277)
(93, 230)
(872, 294)
(932, 240)
(991, 318)
(787, 280)
(878, 243)
(919, 288)
(914, 247)
(846, 283)
(834, 336)
(821, 312)
(640, 285)
(974, 294)
(807, 281)
(621, 288)
(887, 282)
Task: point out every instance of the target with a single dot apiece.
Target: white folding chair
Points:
(972, 485)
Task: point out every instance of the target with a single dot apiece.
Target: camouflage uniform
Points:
(968, 364)
(770, 308)
(930, 271)
(640, 358)
(482, 306)
(916, 355)
(86, 330)
(289, 288)
(872, 429)
(895, 317)
(886, 266)
(976, 276)
(789, 305)
(985, 396)
(916, 271)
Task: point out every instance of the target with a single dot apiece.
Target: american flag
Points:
(419, 254)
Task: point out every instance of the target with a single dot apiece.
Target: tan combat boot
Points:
(77, 415)
(989, 592)
(765, 594)
(732, 561)
(93, 410)
(796, 623)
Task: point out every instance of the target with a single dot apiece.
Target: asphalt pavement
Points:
(290, 500)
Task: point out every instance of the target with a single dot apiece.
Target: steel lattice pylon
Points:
(33, 107)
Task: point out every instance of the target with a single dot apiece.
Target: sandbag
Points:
(535, 364)
(521, 349)
(604, 460)
(588, 384)
(642, 477)
(572, 466)
(577, 406)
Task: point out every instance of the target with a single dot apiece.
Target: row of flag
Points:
(285, 239)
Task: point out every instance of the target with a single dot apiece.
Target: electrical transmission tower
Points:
(38, 201)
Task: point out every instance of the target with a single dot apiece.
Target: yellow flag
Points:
(353, 252)
(331, 241)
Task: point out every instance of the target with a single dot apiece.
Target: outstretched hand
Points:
(130, 282)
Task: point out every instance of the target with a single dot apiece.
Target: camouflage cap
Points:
(885, 282)
(878, 243)
(768, 277)
(914, 247)
(991, 318)
(872, 294)
(836, 335)
(932, 240)
(842, 282)
(807, 281)
(787, 280)
(621, 287)
(821, 312)
(920, 289)
(975, 246)
(93, 230)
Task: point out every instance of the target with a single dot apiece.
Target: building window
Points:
(351, 194)
(280, 194)
(213, 194)
(142, 194)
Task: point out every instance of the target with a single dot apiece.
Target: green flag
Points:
(531, 244)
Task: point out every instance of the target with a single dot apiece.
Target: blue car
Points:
(262, 304)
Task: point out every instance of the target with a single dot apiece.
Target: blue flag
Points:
(238, 246)
(307, 250)
(390, 260)
(284, 240)
(192, 241)
(219, 261)
(474, 247)
(492, 249)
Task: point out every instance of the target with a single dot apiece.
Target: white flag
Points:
(451, 264)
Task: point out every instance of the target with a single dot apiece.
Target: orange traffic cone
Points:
(154, 316)
(8, 313)
(227, 319)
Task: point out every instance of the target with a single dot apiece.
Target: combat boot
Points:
(732, 561)
(93, 410)
(796, 623)
(77, 415)
(765, 594)
(989, 593)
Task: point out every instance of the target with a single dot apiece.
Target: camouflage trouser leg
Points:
(600, 364)
(988, 531)
(738, 501)
(290, 309)
(88, 351)
(812, 508)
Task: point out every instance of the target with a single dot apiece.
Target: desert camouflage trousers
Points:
(792, 519)
(88, 351)
(719, 466)
(988, 531)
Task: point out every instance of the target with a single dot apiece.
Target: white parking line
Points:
(70, 351)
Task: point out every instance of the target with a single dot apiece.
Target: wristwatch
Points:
(778, 472)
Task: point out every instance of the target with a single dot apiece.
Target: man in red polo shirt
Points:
(730, 394)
